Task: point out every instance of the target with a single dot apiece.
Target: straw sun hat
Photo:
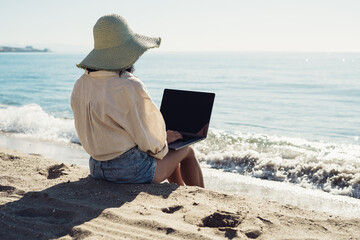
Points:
(116, 46)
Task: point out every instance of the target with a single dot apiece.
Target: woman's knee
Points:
(190, 151)
(190, 154)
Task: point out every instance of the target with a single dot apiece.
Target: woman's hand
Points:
(172, 136)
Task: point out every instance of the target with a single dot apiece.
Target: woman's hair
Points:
(89, 70)
(130, 69)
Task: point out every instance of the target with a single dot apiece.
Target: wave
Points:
(333, 168)
(32, 121)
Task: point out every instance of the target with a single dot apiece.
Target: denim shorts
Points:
(133, 166)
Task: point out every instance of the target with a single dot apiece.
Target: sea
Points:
(283, 118)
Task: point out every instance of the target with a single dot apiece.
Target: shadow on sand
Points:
(55, 211)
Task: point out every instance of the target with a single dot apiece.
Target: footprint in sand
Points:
(222, 219)
(172, 209)
(9, 190)
(56, 171)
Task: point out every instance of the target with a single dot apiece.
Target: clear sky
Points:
(188, 25)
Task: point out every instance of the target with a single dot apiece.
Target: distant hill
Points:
(26, 49)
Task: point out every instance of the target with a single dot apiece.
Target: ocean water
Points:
(285, 117)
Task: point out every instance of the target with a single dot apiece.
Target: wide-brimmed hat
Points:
(116, 46)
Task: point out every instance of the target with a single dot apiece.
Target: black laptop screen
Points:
(187, 111)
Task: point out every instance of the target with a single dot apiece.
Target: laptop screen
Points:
(187, 111)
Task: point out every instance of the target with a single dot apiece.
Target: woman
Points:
(117, 122)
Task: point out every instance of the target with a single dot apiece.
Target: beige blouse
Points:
(113, 114)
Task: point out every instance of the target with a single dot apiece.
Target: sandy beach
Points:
(47, 199)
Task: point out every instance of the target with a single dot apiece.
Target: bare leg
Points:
(176, 177)
(191, 170)
(189, 167)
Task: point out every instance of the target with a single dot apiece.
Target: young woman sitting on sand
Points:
(117, 122)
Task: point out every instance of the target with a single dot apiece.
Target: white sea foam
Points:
(331, 167)
(32, 121)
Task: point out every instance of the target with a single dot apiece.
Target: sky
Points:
(188, 25)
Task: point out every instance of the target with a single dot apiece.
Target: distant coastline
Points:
(26, 49)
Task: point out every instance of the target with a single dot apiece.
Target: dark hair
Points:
(91, 70)
(130, 69)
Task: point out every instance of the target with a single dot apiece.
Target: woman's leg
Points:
(176, 177)
(189, 167)
(191, 170)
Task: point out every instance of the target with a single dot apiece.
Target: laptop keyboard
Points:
(186, 138)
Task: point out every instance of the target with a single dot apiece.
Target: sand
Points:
(46, 199)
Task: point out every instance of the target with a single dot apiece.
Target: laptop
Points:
(187, 112)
